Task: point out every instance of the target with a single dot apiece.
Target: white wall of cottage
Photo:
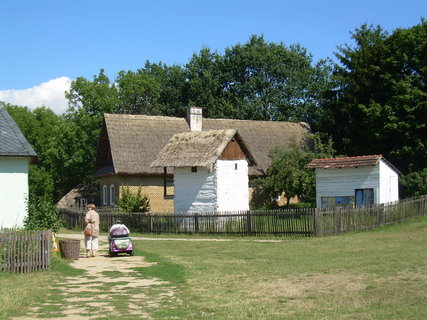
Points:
(13, 191)
(194, 191)
(232, 185)
(226, 188)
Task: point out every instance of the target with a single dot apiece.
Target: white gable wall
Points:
(194, 191)
(389, 180)
(343, 182)
(232, 185)
(13, 191)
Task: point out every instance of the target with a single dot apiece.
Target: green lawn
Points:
(379, 274)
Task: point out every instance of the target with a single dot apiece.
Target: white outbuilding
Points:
(355, 181)
(15, 156)
(210, 170)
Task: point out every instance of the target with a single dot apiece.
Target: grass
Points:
(378, 274)
(17, 291)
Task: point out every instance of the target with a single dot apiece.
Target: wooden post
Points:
(150, 223)
(248, 222)
(196, 222)
(338, 220)
(316, 222)
(381, 212)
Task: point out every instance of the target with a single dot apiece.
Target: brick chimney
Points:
(194, 118)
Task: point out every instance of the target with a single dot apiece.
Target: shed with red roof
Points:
(355, 181)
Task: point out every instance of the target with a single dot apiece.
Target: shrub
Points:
(415, 183)
(42, 215)
(133, 202)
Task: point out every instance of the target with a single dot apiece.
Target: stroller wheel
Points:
(112, 254)
(130, 253)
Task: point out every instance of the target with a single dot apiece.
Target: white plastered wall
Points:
(232, 185)
(389, 181)
(13, 191)
(194, 191)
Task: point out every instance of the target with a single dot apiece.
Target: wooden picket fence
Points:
(289, 222)
(23, 251)
(329, 222)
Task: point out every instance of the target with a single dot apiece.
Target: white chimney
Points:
(194, 118)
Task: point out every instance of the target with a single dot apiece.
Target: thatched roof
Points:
(130, 143)
(196, 149)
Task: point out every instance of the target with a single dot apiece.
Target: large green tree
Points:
(258, 80)
(380, 98)
(38, 126)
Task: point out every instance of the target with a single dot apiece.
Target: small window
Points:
(167, 185)
(104, 195)
(364, 197)
(112, 195)
(193, 169)
(337, 202)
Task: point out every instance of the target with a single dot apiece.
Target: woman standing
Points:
(91, 222)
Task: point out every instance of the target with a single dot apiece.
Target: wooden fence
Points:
(25, 251)
(290, 222)
(329, 222)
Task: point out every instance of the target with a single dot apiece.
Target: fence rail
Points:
(290, 222)
(25, 251)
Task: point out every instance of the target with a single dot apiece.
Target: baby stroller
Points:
(119, 240)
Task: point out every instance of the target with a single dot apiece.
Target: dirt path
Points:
(110, 289)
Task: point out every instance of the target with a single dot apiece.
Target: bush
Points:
(42, 215)
(415, 183)
(133, 202)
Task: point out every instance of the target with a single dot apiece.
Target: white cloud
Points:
(50, 94)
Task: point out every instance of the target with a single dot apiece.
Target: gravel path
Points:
(111, 288)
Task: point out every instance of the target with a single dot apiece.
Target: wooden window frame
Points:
(112, 195)
(166, 183)
(104, 195)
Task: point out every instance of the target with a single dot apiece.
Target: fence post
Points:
(316, 222)
(381, 214)
(338, 220)
(196, 223)
(150, 223)
(248, 222)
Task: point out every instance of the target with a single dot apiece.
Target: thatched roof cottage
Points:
(130, 143)
(210, 170)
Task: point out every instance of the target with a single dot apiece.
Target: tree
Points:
(379, 101)
(258, 80)
(288, 173)
(205, 84)
(415, 183)
(37, 126)
(269, 81)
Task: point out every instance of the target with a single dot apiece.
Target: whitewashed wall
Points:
(232, 185)
(343, 182)
(13, 191)
(389, 181)
(194, 191)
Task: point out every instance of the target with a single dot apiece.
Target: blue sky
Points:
(63, 39)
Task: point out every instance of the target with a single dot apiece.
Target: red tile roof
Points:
(346, 162)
